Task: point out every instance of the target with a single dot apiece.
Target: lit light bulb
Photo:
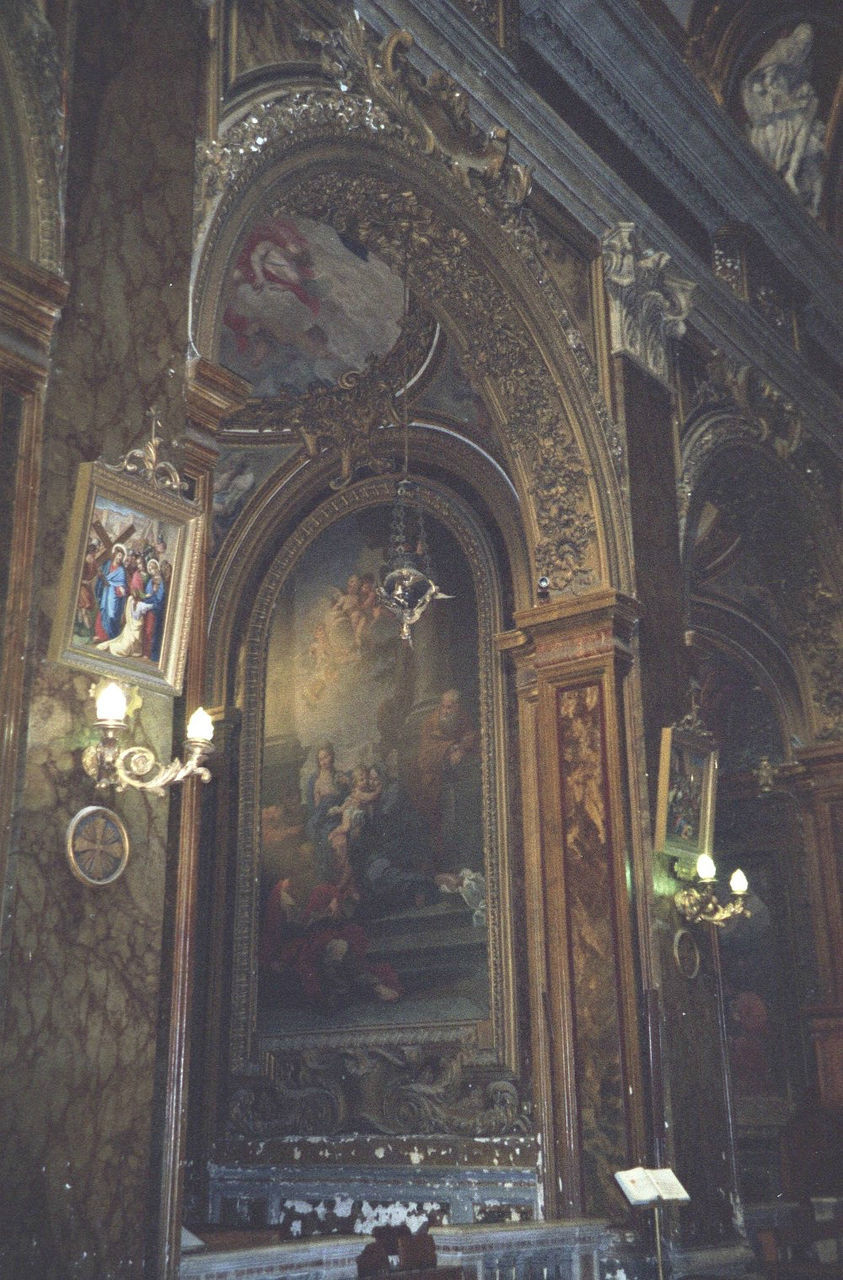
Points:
(706, 870)
(200, 726)
(738, 883)
(111, 704)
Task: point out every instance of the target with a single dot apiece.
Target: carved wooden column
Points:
(819, 788)
(211, 393)
(572, 658)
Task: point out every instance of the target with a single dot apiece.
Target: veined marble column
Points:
(572, 658)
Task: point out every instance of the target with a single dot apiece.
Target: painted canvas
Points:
(126, 589)
(126, 581)
(686, 796)
(373, 888)
(303, 305)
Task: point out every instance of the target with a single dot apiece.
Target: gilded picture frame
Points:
(686, 794)
(128, 580)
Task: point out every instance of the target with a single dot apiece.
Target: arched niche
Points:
(350, 1064)
(728, 40)
(763, 565)
(762, 569)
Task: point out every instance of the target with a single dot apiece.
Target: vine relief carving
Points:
(648, 302)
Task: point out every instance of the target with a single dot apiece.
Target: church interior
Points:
(421, 770)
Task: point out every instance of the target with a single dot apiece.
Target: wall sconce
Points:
(697, 902)
(137, 766)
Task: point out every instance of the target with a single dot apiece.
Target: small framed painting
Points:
(127, 584)
(687, 788)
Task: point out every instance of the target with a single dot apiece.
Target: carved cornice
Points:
(572, 56)
(648, 302)
(213, 393)
(31, 299)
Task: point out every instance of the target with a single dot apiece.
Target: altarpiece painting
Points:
(372, 914)
(372, 861)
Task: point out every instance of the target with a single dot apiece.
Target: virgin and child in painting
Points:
(372, 837)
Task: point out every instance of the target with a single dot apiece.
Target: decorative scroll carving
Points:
(147, 465)
(391, 99)
(418, 1089)
(353, 416)
(766, 413)
(648, 303)
(433, 109)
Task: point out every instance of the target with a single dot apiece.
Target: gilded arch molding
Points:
(476, 262)
(35, 123)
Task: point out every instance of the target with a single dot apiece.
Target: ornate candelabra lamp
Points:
(697, 902)
(138, 767)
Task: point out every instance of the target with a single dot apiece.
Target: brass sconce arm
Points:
(698, 903)
(138, 767)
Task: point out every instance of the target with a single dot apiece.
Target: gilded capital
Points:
(648, 302)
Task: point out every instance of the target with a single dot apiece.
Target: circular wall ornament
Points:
(97, 845)
(686, 953)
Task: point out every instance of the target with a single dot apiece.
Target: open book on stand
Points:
(651, 1186)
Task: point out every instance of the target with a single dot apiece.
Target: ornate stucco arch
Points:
(793, 645)
(475, 262)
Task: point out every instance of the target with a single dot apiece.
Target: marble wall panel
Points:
(80, 1040)
(587, 853)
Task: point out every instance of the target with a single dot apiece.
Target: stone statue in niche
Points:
(781, 106)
